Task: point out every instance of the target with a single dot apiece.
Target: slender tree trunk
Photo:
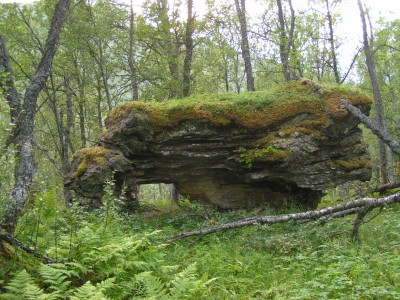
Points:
(332, 43)
(25, 165)
(171, 44)
(131, 59)
(188, 50)
(80, 78)
(370, 62)
(241, 12)
(68, 126)
(237, 79)
(54, 106)
(82, 117)
(389, 152)
(285, 41)
(174, 194)
(67, 137)
(7, 83)
(226, 73)
(7, 86)
(104, 76)
(99, 101)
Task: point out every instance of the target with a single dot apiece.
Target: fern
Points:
(185, 283)
(119, 267)
(33, 292)
(93, 292)
(23, 287)
(16, 287)
(151, 286)
(56, 278)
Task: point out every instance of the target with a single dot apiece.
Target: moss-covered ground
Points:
(252, 110)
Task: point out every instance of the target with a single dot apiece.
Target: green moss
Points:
(268, 153)
(353, 163)
(93, 155)
(81, 169)
(251, 110)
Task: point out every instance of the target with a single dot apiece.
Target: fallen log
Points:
(16, 243)
(324, 214)
(387, 186)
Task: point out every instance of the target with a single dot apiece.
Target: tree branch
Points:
(351, 65)
(374, 127)
(388, 186)
(13, 241)
(355, 234)
(7, 85)
(326, 213)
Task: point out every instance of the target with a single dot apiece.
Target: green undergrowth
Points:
(108, 255)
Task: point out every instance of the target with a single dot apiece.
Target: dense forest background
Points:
(110, 52)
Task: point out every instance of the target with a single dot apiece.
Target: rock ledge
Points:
(275, 148)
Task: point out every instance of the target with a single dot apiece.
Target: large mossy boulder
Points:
(276, 148)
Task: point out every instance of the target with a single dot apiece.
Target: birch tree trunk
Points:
(370, 62)
(332, 43)
(7, 87)
(285, 40)
(188, 50)
(131, 59)
(241, 12)
(25, 166)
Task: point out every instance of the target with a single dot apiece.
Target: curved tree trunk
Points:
(25, 166)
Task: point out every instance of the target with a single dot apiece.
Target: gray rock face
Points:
(232, 152)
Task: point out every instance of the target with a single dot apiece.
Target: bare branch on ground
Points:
(324, 214)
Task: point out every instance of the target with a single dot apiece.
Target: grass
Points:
(283, 261)
(292, 261)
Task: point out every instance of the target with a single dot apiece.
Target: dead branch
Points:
(325, 214)
(374, 127)
(16, 243)
(355, 234)
(388, 186)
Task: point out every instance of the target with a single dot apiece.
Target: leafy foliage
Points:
(126, 259)
(106, 255)
(108, 265)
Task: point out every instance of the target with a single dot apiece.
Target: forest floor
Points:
(104, 255)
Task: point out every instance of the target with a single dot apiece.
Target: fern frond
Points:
(186, 284)
(8, 296)
(18, 284)
(85, 291)
(56, 278)
(33, 292)
(152, 286)
(94, 292)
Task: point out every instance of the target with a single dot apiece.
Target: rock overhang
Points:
(276, 148)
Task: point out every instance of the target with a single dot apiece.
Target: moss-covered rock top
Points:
(251, 110)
